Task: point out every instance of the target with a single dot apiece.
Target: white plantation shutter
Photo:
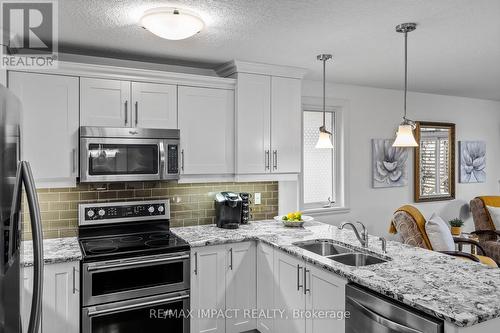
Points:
(434, 165)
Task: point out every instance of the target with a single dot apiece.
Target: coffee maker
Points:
(228, 209)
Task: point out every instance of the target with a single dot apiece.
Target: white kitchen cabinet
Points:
(265, 285)
(289, 292)
(241, 284)
(268, 124)
(253, 126)
(105, 102)
(206, 122)
(154, 105)
(325, 292)
(116, 103)
(208, 276)
(60, 300)
(49, 126)
(286, 126)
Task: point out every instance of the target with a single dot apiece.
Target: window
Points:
(318, 178)
(434, 146)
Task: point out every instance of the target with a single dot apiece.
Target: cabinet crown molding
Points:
(136, 74)
(238, 66)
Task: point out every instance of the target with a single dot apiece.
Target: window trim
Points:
(341, 158)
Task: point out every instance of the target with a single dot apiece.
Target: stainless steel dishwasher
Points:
(374, 313)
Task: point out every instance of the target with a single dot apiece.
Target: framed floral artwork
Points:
(389, 164)
(472, 161)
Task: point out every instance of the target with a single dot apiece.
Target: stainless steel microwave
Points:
(114, 154)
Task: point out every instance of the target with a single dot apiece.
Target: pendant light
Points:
(404, 136)
(324, 140)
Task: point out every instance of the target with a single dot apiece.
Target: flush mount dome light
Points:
(171, 23)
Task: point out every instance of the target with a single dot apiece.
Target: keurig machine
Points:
(228, 209)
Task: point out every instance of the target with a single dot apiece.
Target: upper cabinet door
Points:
(154, 105)
(253, 124)
(49, 126)
(286, 125)
(206, 122)
(105, 103)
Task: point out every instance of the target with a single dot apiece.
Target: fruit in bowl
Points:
(293, 217)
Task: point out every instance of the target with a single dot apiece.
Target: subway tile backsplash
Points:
(190, 204)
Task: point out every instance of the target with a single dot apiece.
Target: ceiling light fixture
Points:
(404, 136)
(324, 140)
(171, 23)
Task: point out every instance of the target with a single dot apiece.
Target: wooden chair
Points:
(409, 224)
(489, 237)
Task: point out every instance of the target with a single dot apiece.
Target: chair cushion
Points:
(404, 225)
(495, 216)
(439, 234)
(419, 221)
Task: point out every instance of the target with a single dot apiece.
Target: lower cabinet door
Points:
(289, 293)
(265, 287)
(60, 300)
(325, 301)
(208, 282)
(241, 281)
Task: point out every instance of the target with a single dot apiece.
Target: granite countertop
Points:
(55, 250)
(461, 292)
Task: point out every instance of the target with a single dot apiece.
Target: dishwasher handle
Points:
(392, 325)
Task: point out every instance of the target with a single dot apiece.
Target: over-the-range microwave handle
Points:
(163, 164)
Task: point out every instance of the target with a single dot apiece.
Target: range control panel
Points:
(124, 211)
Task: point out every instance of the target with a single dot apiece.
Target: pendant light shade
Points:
(324, 140)
(325, 137)
(404, 135)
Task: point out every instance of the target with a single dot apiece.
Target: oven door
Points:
(112, 159)
(155, 314)
(116, 280)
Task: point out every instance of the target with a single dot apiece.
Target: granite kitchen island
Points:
(466, 295)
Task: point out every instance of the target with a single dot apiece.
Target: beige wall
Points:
(191, 204)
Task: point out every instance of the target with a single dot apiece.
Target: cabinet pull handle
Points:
(196, 263)
(267, 161)
(136, 113)
(298, 278)
(275, 159)
(126, 113)
(231, 258)
(306, 289)
(74, 159)
(182, 159)
(75, 290)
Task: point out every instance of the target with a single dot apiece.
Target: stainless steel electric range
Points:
(134, 272)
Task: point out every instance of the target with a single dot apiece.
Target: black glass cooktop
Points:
(135, 244)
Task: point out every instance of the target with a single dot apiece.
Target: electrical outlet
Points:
(257, 199)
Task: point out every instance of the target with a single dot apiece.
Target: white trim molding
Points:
(136, 74)
(238, 66)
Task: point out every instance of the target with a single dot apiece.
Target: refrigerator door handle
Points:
(34, 209)
(14, 217)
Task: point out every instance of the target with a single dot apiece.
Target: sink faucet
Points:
(384, 244)
(363, 238)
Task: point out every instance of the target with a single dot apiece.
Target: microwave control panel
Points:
(173, 159)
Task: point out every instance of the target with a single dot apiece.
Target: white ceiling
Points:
(454, 51)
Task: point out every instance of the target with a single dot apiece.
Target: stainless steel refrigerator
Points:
(13, 174)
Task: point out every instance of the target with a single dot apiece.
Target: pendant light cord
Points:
(406, 71)
(324, 92)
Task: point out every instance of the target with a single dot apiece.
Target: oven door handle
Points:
(135, 306)
(136, 263)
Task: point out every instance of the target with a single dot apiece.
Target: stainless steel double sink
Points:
(344, 255)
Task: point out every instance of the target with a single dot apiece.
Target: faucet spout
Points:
(362, 237)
